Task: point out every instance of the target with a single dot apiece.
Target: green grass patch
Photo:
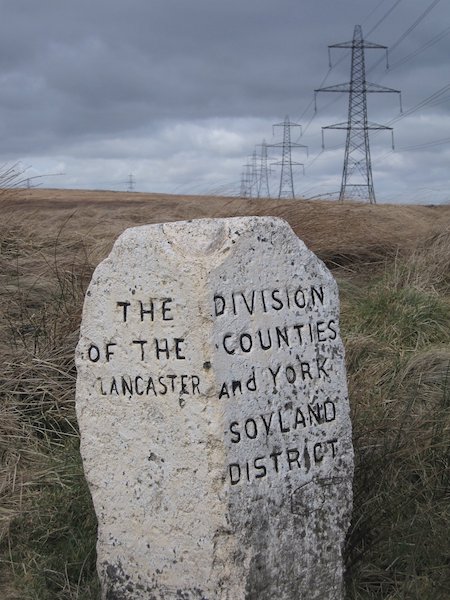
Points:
(407, 318)
(52, 544)
(398, 360)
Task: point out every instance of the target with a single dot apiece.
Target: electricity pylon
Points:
(130, 183)
(243, 192)
(286, 189)
(246, 182)
(254, 180)
(263, 182)
(357, 163)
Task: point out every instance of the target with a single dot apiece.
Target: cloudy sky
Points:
(180, 93)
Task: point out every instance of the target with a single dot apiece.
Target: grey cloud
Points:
(74, 75)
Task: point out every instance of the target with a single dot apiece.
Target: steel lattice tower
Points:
(263, 183)
(254, 183)
(130, 183)
(286, 179)
(243, 190)
(357, 163)
(246, 182)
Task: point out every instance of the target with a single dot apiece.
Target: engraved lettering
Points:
(235, 432)
(275, 375)
(124, 306)
(142, 344)
(165, 309)
(219, 305)
(235, 473)
(94, 353)
(109, 352)
(262, 471)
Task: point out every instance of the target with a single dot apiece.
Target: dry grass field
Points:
(392, 264)
(332, 230)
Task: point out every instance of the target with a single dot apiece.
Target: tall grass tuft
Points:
(47, 524)
(397, 336)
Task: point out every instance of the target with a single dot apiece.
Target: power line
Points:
(373, 11)
(419, 19)
(384, 17)
(424, 145)
(408, 31)
(418, 51)
(432, 100)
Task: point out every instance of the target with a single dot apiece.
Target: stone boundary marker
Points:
(214, 418)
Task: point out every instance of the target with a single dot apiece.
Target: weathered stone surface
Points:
(214, 418)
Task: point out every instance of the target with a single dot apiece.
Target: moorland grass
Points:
(397, 333)
(396, 328)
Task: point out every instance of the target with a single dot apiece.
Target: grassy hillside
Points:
(392, 264)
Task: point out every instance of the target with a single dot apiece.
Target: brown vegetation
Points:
(345, 232)
(393, 268)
